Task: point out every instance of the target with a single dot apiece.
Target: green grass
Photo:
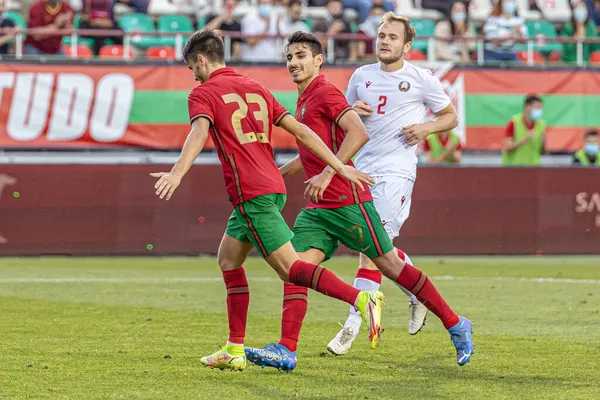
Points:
(135, 328)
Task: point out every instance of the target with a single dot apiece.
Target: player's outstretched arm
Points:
(169, 181)
(291, 167)
(312, 142)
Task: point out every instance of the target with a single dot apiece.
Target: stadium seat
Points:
(479, 10)
(555, 10)
(526, 13)
(537, 57)
(161, 53)
(415, 55)
(131, 23)
(82, 51)
(541, 30)
(66, 41)
(423, 27)
(595, 57)
(114, 51)
(555, 56)
(174, 24)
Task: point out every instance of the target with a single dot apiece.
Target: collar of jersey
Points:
(224, 70)
(312, 86)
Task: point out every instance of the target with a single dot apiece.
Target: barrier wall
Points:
(83, 106)
(51, 209)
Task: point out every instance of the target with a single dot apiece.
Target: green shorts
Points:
(259, 221)
(357, 226)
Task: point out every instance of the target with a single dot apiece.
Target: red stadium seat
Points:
(595, 57)
(555, 56)
(82, 51)
(415, 55)
(161, 53)
(538, 58)
(114, 51)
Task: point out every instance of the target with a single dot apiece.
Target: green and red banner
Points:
(101, 106)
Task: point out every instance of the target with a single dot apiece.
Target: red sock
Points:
(238, 298)
(401, 254)
(419, 284)
(323, 281)
(373, 275)
(295, 303)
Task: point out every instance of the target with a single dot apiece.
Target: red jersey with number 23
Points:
(320, 107)
(242, 113)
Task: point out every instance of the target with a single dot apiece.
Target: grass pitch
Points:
(135, 328)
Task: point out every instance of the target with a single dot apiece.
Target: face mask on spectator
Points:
(264, 10)
(591, 149)
(536, 114)
(458, 17)
(509, 7)
(580, 14)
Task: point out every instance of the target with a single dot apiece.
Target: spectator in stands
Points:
(97, 14)
(363, 7)
(443, 6)
(51, 16)
(334, 24)
(262, 21)
(138, 6)
(588, 155)
(502, 29)
(11, 30)
(366, 48)
(524, 141)
(594, 10)
(443, 148)
(226, 23)
(456, 26)
(579, 27)
(292, 22)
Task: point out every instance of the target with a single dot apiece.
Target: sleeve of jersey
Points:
(279, 111)
(352, 92)
(199, 106)
(334, 103)
(435, 96)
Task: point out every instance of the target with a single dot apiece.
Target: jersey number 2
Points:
(262, 115)
(382, 103)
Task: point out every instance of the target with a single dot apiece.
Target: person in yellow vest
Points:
(588, 155)
(524, 142)
(443, 148)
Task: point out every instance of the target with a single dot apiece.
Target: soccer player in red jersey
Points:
(338, 210)
(239, 114)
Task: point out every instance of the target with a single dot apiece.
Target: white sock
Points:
(354, 319)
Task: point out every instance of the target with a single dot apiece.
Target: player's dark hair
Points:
(292, 3)
(532, 98)
(590, 133)
(306, 38)
(206, 42)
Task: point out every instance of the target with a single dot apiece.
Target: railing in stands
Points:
(128, 38)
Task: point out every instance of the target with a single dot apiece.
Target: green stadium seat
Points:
(423, 27)
(537, 30)
(310, 23)
(174, 24)
(131, 23)
(202, 22)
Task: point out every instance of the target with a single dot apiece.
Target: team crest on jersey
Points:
(302, 111)
(404, 86)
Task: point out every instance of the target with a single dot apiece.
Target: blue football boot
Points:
(461, 335)
(272, 355)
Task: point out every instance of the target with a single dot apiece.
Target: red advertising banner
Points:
(107, 106)
(110, 210)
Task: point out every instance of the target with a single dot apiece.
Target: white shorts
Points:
(392, 197)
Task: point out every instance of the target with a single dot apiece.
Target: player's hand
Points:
(362, 108)
(414, 134)
(356, 176)
(317, 185)
(166, 184)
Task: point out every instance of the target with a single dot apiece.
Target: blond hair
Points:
(409, 31)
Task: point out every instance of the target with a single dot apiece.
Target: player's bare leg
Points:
(232, 253)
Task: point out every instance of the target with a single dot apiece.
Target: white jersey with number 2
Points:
(398, 99)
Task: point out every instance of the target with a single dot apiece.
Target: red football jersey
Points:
(242, 114)
(320, 107)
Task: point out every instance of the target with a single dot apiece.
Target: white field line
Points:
(161, 280)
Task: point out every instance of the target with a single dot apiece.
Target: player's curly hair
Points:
(206, 42)
(307, 38)
(409, 30)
